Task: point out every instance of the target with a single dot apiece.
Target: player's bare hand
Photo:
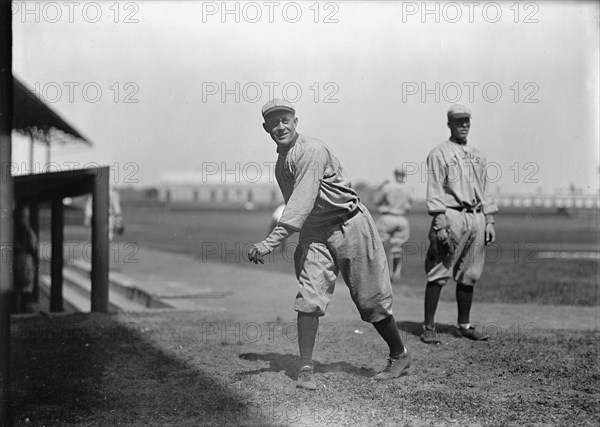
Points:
(442, 235)
(256, 253)
(490, 234)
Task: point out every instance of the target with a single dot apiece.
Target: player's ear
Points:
(264, 125)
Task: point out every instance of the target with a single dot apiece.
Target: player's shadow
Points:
(416, 328)
(288, 364)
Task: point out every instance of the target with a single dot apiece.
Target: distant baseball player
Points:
(337, 235)
(393, 200)
(460, 201)
(115, 216)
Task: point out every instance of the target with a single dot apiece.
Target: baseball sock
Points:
(308, 324)
(432, 296)
(464, 298)
(397, 266)
(389, 332)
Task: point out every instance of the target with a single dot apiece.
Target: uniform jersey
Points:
(318, 197)
(313, 183)
(394, 198)
(457, 178)
(314, 187)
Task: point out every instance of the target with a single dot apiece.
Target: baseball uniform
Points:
(393, 202)
(457, 186)
(337, 233)
(115, 217)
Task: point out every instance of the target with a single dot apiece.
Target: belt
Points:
(467, 209)
(342, 219)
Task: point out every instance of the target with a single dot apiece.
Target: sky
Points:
(177, 87)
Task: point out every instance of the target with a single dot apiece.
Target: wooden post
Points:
(56, 261)
(31, 150)
(6, 203)
(34, 222)
(100, 264)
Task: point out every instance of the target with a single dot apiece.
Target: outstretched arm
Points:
(259, 250)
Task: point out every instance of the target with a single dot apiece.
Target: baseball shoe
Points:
(306, 378)
(472, 333)
(395, 367)
(429, 335)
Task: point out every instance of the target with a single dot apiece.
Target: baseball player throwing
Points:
(459, 199)
(393, 201)
(337, 235)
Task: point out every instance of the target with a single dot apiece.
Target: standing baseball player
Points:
(337, 235)
(459, 199)
(115, 216)
(393, 200)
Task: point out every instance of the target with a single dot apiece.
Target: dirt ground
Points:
(186, 368)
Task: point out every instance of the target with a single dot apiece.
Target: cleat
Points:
(429, 335)
(395, 367)
(306, 379)
(472, 333)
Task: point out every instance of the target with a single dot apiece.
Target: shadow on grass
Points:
(416, 328)
(92, 370)
(288, 364)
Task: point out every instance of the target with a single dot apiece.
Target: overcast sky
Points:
(178, 86)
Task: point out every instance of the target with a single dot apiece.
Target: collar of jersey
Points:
(458, 143)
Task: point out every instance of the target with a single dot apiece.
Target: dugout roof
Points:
(31, 116)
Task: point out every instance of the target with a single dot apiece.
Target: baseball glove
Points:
(451, 243)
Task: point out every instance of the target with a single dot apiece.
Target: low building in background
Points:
(193, 190)
(196, 190)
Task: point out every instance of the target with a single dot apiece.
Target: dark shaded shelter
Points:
(36, 119)
(32, 117)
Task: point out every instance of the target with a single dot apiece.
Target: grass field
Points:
(515, 272)
(162, 369)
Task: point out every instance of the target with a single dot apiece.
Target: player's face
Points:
(459, 128)
(281, 125)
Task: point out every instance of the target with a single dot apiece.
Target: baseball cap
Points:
(458, 111)
(277, 104)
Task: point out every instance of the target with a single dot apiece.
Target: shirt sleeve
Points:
(309, 170)
(436, 177)
(277, 236)
(489, 205)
